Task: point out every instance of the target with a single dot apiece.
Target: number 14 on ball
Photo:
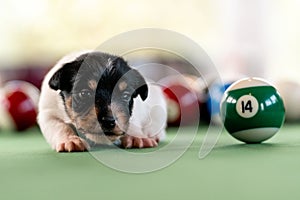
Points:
(252, 110)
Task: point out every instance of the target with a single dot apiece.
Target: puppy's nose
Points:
(108, 122)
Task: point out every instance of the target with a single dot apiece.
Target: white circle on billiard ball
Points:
(247, 106)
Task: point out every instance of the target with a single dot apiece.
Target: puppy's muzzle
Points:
(108, 122)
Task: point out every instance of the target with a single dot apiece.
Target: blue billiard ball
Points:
(215, 93)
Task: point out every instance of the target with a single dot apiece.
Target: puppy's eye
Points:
(84, 94)
(126, 96)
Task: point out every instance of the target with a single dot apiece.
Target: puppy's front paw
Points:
(72, 144)
(128, 141)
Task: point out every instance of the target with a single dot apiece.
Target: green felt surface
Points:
(29, 169)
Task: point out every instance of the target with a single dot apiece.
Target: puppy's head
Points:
(98, 91)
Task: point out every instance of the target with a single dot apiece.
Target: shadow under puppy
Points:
(96, 98)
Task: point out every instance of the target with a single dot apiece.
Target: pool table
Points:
(29, 169)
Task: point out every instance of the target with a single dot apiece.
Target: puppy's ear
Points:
(141, 85)
(63, 79)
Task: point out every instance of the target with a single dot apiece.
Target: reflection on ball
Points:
(252, 110)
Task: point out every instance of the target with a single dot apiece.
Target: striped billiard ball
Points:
(252, 110)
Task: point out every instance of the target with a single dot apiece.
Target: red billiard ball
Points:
(18, 105)
(182, 102)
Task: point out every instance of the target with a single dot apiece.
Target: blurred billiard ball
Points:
(252, 110)
(290, 92)
(215, 94)
(182, 101)
(18, 105)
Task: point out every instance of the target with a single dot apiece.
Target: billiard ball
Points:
(182, 102)
(215, 94)
(18, 105)
(290, 92)
(252, 110)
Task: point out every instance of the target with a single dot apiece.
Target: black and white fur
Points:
(91, 98)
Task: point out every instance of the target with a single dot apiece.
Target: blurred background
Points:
(251, 37)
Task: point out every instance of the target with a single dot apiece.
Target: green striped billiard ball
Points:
(252, 110)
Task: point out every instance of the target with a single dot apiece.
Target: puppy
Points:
(92, 98)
